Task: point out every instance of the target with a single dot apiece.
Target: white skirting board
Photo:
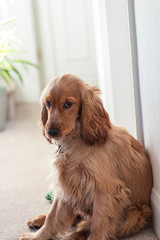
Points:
(155, 202)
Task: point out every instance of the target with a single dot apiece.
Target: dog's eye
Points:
(67, 105)
(48, 104)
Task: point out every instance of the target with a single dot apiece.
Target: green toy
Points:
(49, 196)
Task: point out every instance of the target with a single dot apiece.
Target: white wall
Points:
(147, 14)
(29, 91)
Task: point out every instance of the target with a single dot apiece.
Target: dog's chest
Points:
(75, 183)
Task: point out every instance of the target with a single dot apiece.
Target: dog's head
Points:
(67, 100)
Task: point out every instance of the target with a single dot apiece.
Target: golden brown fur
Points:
(103, 173)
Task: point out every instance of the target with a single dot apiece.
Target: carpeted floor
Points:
(24, 166)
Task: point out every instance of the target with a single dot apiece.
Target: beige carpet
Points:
(24, 166)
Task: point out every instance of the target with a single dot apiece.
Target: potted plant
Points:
(2, 108)
(9, 72)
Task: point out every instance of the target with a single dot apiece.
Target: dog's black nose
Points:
(53, 132)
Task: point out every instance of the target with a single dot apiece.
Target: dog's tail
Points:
(137, 217)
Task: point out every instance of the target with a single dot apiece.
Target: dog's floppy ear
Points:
(43, 120)
(44, 112)
(95, 121)
(43, 117)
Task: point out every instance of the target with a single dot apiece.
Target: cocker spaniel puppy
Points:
(103, 173)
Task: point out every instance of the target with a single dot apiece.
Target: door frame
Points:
(114, 60)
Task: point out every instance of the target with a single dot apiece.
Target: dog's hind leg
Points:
(137, 217)
(82, 232)
(36, 222)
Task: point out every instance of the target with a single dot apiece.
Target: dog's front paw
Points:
(36, 222)
(28, 236)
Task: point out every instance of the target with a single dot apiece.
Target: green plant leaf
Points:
(9, 20)
(8, 52)
(8, 49)
(26, 62)
(5, 65)
(6, 76)
(17, 73)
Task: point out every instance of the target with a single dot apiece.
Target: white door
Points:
(67, 38)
